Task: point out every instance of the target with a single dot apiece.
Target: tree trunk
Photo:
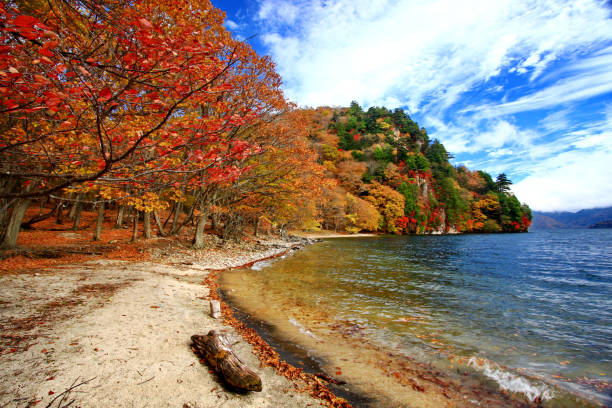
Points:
(169, 216)
(178, 207)
(99, 222)
(60, 213)
(213, 222)
(146, 222)
(28, 224)
(160, 227)
(256, 226)
(135, 230)
(75, 207)
(227, 364)
(190, 216)
(12, 230)
(6, 186)
(5, 213)
(77, 215)
(119, 220)
(198, 237)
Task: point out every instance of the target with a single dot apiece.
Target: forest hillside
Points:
(388, 176)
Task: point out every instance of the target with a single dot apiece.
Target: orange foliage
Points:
(389, 203)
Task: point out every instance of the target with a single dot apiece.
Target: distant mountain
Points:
(602, 224)
(580, 219)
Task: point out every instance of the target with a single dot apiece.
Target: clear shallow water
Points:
(534, 306)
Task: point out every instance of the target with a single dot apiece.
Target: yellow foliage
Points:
(488, 204)
(361, 215)
(329, 165)
(389, 203)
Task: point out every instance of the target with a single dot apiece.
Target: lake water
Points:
(528, 313)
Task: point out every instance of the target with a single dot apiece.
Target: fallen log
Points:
(225, 362)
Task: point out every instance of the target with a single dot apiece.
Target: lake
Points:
(527, 313)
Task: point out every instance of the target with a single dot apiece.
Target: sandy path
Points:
(127, 326)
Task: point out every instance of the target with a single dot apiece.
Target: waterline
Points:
(441, 301)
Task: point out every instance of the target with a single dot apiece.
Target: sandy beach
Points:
(112, 332)
(117, 333)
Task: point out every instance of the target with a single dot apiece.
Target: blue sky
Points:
(515, 86)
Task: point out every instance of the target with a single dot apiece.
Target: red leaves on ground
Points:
(48, 234)
(268, 356)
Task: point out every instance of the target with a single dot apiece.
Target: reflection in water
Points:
(539, 304)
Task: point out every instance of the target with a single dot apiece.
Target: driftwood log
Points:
(216, 350)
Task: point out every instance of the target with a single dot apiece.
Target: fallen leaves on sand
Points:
(302, 381)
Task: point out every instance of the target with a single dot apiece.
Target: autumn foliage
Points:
(382, 157)
(154, 111)
(150, 107)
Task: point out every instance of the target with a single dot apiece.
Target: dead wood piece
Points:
(215, 309)
(225, 362)
(66, 393)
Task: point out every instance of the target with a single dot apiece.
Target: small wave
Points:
(258, 266)
(302, 329)
(510, 382)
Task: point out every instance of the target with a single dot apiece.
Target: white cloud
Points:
(232, 25)
(422, 54)
(278, 12)
(502, 133)
(597, 80)
(555, 121)
(497, 136)
(569, 174)
(571, 181)
(501, 152)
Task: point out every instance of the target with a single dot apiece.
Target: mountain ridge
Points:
(585, 218)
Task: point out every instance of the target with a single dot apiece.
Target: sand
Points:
(330, 234)
(124, 329)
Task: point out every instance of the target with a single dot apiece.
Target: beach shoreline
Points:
(343, 351)
(117, 333)
(329, 234)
